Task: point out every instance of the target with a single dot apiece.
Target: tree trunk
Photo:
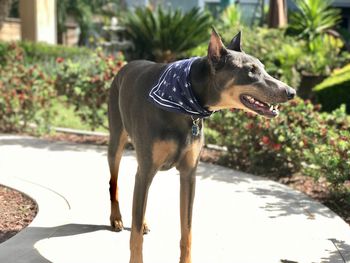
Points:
(5, 6)
(277, 14)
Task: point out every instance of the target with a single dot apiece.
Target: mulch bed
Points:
(17, 210)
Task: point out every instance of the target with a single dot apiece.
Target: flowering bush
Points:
(85, 85)
(25, 93)
(300, 139)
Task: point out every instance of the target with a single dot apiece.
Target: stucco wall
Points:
(11, 30)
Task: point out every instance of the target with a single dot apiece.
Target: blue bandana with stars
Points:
(173, 90)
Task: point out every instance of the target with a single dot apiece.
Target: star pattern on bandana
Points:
(173, 91)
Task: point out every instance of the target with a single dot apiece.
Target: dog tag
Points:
(195, 127)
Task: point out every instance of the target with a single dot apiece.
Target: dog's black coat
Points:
(163, 139)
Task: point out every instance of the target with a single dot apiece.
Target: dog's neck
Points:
(201, 75)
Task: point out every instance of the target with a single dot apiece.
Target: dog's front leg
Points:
(187, 190)
(187, 170)
(142, 182)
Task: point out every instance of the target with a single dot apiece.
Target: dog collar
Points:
(173, 91)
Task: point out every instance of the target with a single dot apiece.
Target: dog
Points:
(161, 108)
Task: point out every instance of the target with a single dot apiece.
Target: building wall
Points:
(185, 5)
(341, 3)
(11, 30)
(38, 20)
(182, 4)
(46, 21)
(135, 3)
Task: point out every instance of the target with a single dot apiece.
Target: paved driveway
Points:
(237, 217)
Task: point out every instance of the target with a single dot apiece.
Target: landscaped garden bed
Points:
(17, 212)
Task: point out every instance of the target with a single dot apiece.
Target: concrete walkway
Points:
(237, 218)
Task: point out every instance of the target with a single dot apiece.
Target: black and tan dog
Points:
(225, 78)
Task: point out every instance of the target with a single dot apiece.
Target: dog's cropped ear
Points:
(216, 49)
(235, 43)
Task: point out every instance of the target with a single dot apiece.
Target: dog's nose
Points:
(290, 93)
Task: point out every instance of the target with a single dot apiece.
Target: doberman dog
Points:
(225, 78)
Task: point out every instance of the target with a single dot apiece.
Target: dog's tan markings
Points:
(187, 182)
(136, 241)
(185, 246)
(192, 154)
(145, 228)
(161, 151)
(116, 218)
(229, 98)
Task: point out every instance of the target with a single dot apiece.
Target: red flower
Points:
(265, 140)
(250, 114)
(106, 76)
(293, 103)
(21, 97)
(276, 146)
(249, 126)
(317, 107)
(59, 60)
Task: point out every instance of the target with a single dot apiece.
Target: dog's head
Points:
(240, 80)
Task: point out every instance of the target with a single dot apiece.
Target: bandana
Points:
(173, 90)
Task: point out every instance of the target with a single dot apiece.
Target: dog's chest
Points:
(169, 153)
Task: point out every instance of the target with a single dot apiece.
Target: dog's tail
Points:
(116, 126)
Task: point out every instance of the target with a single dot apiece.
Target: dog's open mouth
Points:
(262, 108)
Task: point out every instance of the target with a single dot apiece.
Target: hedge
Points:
(335, 90)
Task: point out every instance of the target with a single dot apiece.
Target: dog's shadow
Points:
(35, 234)
(78, 229)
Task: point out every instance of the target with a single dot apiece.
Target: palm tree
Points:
(277, 13)
(5, 6)
(313, 18)
(164, 34)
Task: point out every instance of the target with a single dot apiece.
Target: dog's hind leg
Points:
(143, 181)
(118, 138)
(114, 155)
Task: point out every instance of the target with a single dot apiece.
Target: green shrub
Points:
(335, 90)
(313, 18)
(289, 143)
(322, 55)
(230, 17)
(329, 155)
(165, 35)
(42, 52)
(3, 48)
(25, 94)
(85, 85)
(46, 54)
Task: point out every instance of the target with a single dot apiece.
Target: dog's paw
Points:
(117, 225)
(145, 229)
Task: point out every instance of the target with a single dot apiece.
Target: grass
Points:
(66, 117)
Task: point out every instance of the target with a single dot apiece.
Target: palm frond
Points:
(313, 18)
(164, 34)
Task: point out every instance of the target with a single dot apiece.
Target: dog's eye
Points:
(253, 69)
